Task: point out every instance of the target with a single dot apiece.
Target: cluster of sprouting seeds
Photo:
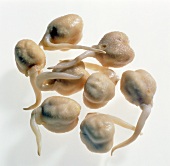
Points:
(60, 114)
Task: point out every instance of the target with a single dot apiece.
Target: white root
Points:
(41, 78)
(74, 61)
(61, 46)
(35, 129)
(146, 109)
(33, 73)
(122, 123)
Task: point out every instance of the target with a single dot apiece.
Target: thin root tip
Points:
(31, 107)
(39, 153)
(26, 109)
(112, 151)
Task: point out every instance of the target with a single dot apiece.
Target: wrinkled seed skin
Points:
(58, 114)
(138, 87)
(98, 89)
(118, 51)
(27, 55)
(97, 131)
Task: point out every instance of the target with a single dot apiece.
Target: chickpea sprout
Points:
(99, 88)
(64, 33)
(57, 114)
(138, 87)
(117, 48)
(65, 82)
(97, 131)
(30, 60)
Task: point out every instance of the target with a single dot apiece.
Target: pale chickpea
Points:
(30, 60)
(97, 131)
(64, 33)
(99, 88)
(57, 114)
(138, 87)
(65, 82)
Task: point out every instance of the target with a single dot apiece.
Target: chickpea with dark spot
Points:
(57, 114)
(64, 33)
(30, 60)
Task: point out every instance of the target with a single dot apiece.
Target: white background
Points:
(147, 24)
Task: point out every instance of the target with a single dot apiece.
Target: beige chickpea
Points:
(138, 87)
(99, 88)
(57, 114)
(30, 60)
(118, 52)
(65, 82)
(64, 33)
(117, 48)
(97, 131)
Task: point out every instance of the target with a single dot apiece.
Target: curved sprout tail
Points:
(33, 73)
(146, 109)
(53, 75)
(74, 61)
(62, 46)
(36, 131)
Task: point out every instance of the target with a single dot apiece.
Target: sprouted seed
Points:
(138, 87)
(30, 60)
(64, 33)
(57, 114)
(97, 131)
(65, 82)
